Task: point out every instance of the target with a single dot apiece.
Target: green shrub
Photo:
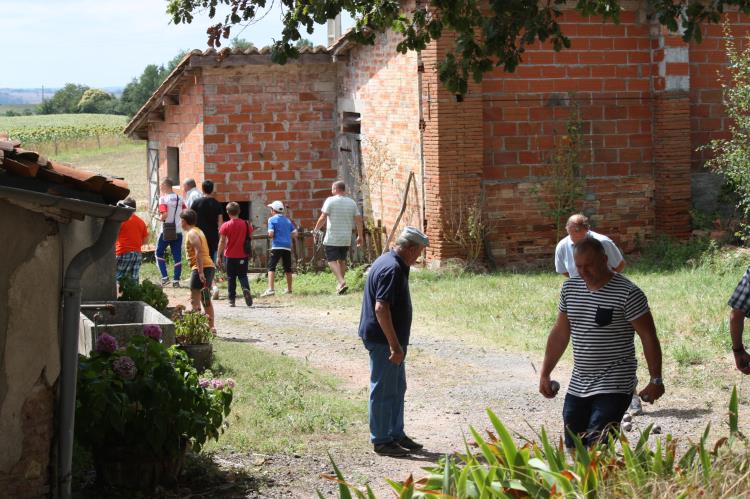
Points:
(193, 328)
(147, 292)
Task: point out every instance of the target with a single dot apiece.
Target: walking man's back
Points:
(340, 214)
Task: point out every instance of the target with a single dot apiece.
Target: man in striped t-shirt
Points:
(600, 311)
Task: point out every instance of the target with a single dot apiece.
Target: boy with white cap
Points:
(280, 230)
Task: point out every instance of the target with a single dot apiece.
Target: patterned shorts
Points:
(129, 265)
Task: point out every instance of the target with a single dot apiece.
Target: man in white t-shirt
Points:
(170, 207)
(340, 214)
(578, 229)
(191, 192)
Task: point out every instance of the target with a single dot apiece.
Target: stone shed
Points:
(59, 225)
(645, 102)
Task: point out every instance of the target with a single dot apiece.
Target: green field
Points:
(54, 134)
(17, 108)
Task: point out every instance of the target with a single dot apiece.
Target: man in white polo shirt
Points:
(578, 228)
(340, 214)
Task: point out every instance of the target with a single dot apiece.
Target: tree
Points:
(303, 43)
(65, 100)
(488, 34)
(242, 44)
(95, 100)
(138, 91)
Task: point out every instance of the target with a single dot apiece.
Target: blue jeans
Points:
(176, 247)
(593, 417)
(387, 390)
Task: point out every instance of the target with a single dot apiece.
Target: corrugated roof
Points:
(227, 56)
(32, 171)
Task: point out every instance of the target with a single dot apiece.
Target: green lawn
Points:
(280, 404)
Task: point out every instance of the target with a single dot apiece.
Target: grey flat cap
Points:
(415, 235)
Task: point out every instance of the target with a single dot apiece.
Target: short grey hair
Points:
(189, 182)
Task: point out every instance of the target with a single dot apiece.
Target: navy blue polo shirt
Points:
(387, 282)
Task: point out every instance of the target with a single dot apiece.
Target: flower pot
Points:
(201, 355)
(123, 467)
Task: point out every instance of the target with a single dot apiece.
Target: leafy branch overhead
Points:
(487, 34)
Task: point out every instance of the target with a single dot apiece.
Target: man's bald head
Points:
(577, 227)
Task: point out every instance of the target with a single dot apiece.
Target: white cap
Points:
(277, 206)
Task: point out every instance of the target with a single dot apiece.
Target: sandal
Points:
(342, 289)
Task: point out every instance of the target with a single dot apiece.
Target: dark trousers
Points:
(592, 418)
(236, 269)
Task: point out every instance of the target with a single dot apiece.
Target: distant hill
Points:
(34, 95)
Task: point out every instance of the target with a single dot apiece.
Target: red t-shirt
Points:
(235, 231)
(132, 232)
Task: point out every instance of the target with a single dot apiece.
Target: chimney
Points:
(334, 30)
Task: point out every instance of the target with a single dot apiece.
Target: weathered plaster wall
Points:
(30, 285)
(98, 281)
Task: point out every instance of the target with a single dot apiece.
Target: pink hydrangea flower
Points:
(217, 384)
(204, 383)
(152, 331)
(230, 383)
(124, 367)
(106, 343)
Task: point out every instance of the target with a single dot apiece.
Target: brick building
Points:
(646, 101)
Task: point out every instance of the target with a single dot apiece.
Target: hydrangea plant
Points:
(146, 398)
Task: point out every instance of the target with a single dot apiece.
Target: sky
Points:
(103, 43)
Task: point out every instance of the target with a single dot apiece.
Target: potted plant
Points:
(140, 407)
(194, 335)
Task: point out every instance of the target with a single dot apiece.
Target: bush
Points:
(147, 292)
(146, 398)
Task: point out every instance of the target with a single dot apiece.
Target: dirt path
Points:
(450, 386)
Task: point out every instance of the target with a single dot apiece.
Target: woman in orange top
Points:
(201, 265)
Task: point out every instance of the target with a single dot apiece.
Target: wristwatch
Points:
(657, 381)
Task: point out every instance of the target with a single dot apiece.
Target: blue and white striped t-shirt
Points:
(603, 338)
(341, 211)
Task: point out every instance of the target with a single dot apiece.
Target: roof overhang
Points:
(168, 92)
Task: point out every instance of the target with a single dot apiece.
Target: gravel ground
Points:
(451, 384)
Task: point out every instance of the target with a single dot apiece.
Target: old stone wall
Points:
(29, 350)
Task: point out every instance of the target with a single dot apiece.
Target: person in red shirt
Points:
(232, 246)
(133, 234)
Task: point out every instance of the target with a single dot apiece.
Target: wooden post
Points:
(400, 213)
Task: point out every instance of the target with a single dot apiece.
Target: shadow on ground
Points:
(201, 477)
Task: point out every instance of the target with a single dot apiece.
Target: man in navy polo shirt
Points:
(384, 327)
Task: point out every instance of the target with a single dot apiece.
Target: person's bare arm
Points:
(383, 315)
(557, 342)
(736, 328)
(220, 251)
(321, 220)
(360, 230)
(644, 326)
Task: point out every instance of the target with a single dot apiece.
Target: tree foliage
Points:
(97, 101)
(488, 34)
(64, 101)
(138, 91)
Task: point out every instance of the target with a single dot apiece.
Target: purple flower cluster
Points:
(217, 384)
(125, 367)
(106, 343)
(152, 331)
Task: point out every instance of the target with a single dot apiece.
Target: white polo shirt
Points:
(564, 261)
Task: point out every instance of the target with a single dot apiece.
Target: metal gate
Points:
(153, 183)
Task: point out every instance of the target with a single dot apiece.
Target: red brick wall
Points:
(183, 128)
(708, 59)
(269, 133)
(382, 86)
(607, 73)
